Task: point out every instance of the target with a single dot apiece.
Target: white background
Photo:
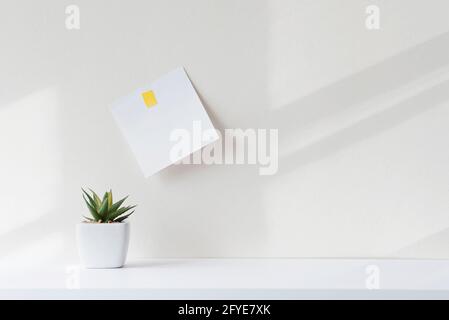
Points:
(363, 119)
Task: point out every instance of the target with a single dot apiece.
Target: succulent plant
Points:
(105, 210)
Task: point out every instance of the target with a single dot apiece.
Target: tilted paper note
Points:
(153, 117)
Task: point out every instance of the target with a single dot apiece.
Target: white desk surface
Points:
(232, 279)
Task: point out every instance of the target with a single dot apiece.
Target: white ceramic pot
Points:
(103, 245)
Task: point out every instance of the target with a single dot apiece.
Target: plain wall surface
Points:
(363, 119)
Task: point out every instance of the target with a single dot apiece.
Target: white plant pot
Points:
(103, 245)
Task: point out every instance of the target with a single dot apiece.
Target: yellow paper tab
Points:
(149, 98)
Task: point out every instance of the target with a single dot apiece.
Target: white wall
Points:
(363, 120)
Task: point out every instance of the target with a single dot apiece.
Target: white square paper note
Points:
(155, 118)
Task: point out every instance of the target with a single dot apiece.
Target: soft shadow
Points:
(367, 128)
(351, 91)
(29, 233)
(433, 246)
(167, 263)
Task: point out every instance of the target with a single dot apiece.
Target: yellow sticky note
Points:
(149, 98)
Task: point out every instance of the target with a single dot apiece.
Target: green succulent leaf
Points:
(118, 204)
(92, 210)
(103, 211)
(119, 212)
(123, 217)
(110, 202)
(96, 198)
(91, 200)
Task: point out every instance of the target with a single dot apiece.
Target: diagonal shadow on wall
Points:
(431, 247)
(367, 128)
(369, 83)
(350, 93)
(31, 232)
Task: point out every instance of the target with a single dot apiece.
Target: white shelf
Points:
(233, 278)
